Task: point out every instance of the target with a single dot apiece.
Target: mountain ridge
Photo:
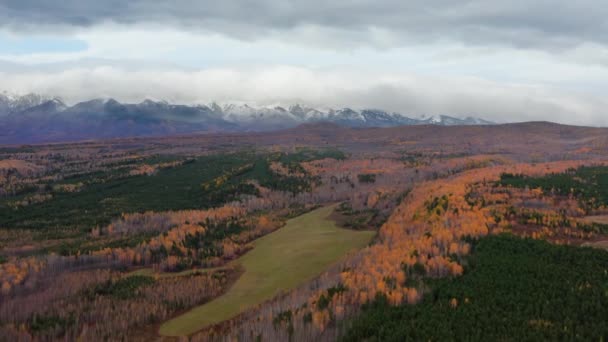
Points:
(35, 118)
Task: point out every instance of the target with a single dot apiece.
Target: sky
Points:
(506, 61)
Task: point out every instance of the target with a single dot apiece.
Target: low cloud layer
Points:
(408, 94)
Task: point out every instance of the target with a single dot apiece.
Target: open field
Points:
(280, 261)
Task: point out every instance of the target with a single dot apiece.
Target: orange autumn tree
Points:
(424, 236)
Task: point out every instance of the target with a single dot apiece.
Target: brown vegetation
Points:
(427, 190)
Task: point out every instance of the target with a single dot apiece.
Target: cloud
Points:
(503, 60)
(537, 24)
(407, 93)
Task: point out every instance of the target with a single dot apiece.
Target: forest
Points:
(511, 289)
(312, 235)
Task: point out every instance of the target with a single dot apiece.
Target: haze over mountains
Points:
(34, 118)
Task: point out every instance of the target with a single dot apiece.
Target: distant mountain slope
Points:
(33, 118)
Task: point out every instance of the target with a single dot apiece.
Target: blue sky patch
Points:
(30, 45)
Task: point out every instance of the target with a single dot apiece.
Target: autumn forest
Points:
(319, 232)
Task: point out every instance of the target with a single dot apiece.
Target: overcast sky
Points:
(501, 60)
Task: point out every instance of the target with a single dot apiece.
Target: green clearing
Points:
(280, 261)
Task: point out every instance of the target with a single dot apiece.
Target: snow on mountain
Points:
(34, 115)
(344, 116)
(242, 114)
(437, 119)
(478, 121)
(11, 103)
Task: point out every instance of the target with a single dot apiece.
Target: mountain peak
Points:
(90, 118)
(12, 102)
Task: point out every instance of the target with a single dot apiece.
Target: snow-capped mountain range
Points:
(35, 118)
